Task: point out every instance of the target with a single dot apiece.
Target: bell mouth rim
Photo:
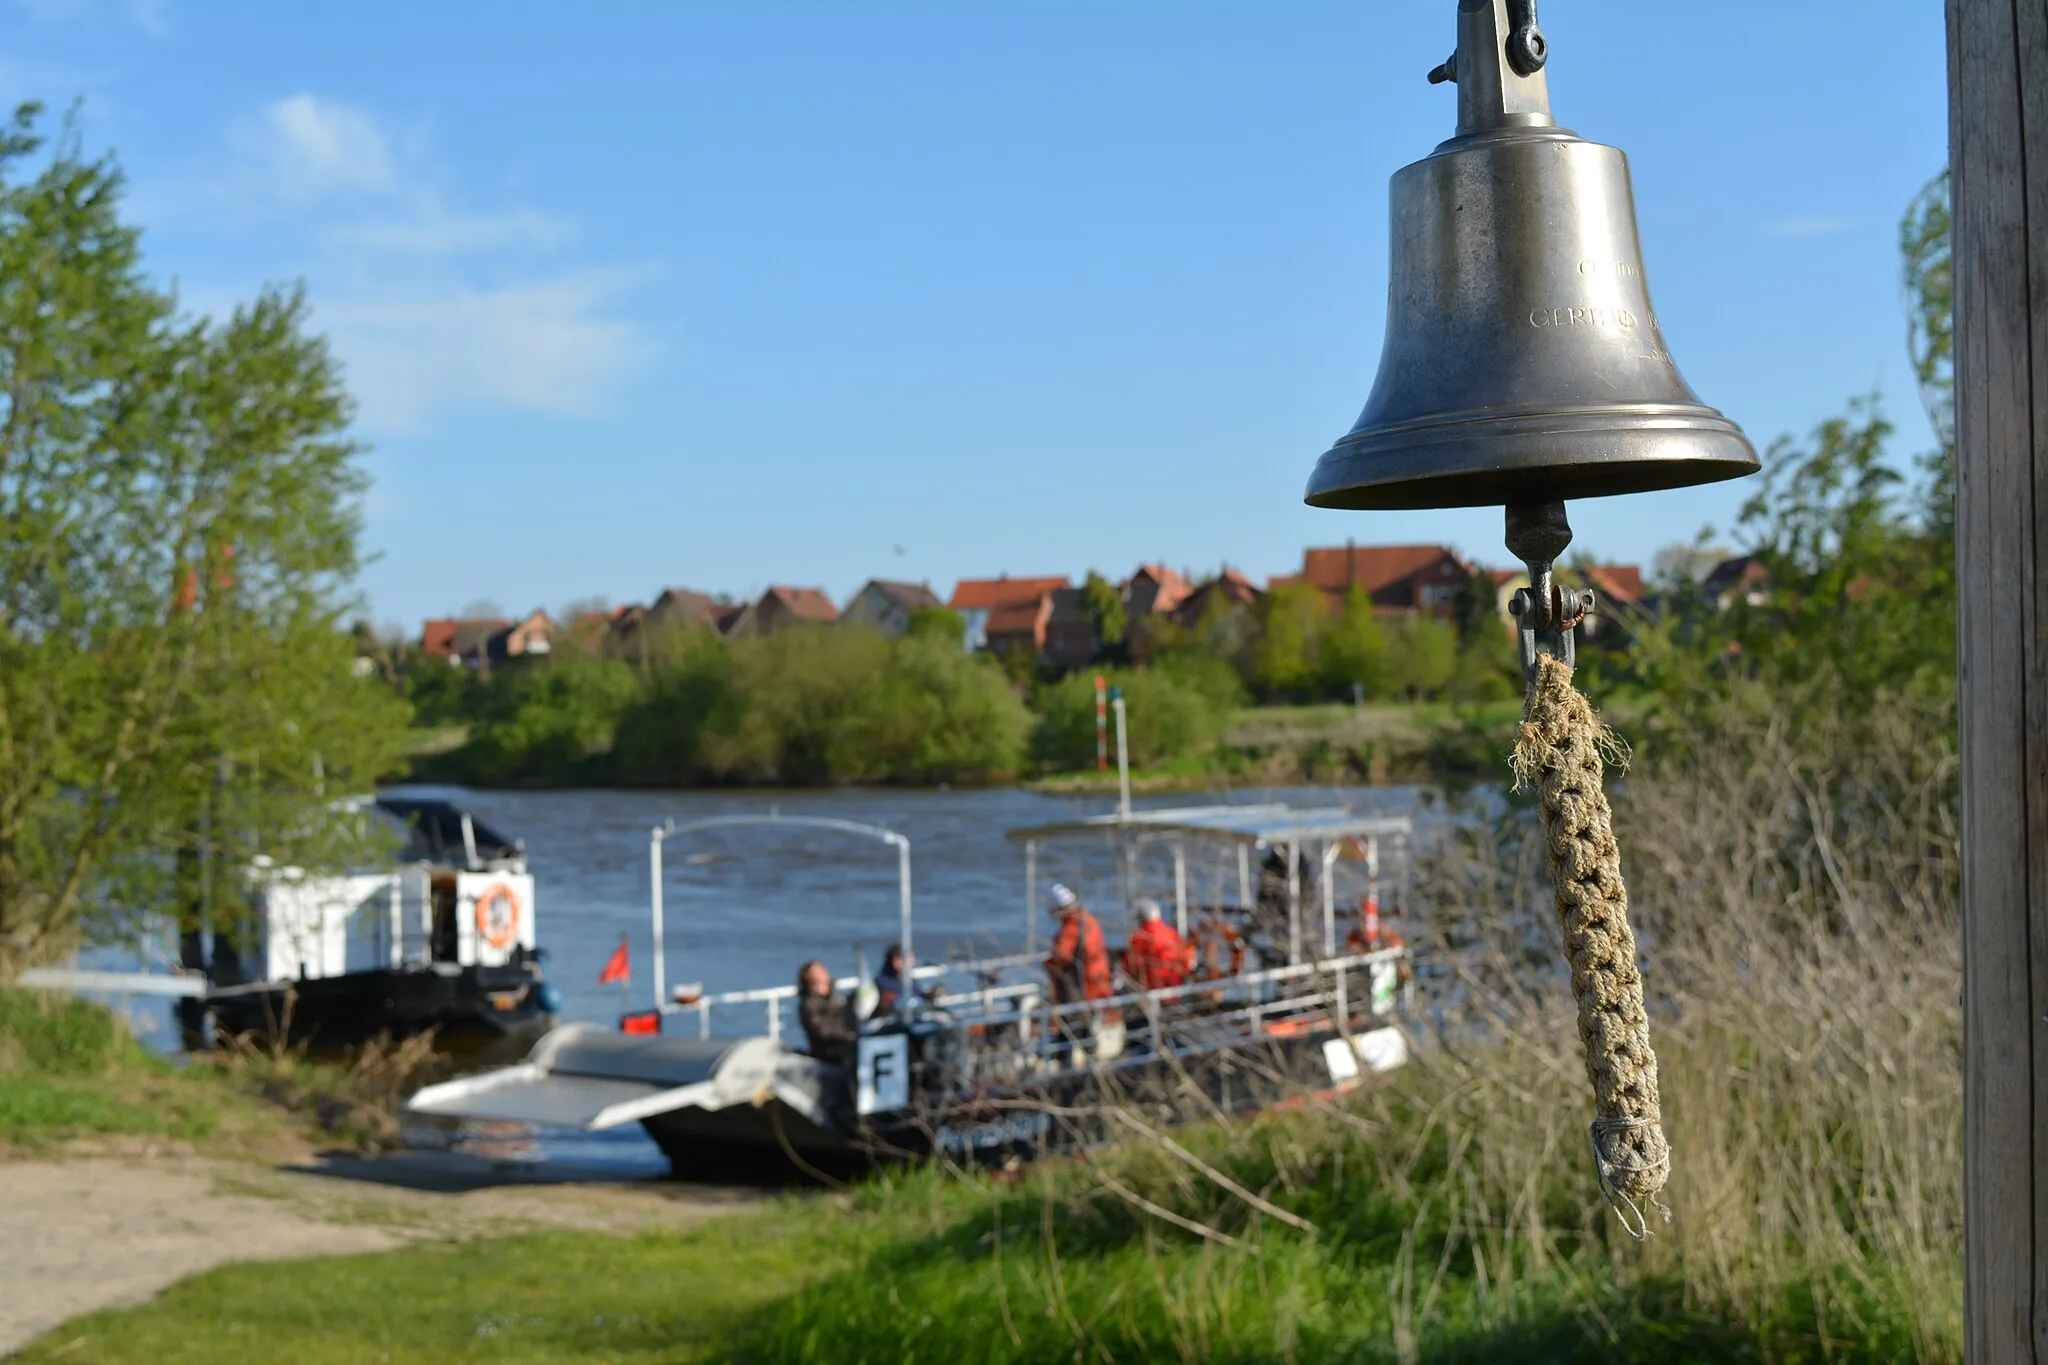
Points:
(1501, 456)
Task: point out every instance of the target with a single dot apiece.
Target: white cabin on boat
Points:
(461, 895)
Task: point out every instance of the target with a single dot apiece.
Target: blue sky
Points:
(725, 294)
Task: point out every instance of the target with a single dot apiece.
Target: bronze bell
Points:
(1522, 361)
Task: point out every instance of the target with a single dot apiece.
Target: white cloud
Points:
(431, 231)
(434, 307)
(1806, 227)
(310, 149)
(546, 347)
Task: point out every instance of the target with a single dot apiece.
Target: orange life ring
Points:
(497, 927)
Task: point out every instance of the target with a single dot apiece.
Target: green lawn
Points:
(539, 1298)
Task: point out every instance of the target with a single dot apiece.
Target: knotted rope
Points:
(1560, 749)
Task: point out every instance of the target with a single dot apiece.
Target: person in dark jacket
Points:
(892, 981)
(828, 1023)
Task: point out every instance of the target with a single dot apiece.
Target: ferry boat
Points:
(442, 940)
(981, 1064)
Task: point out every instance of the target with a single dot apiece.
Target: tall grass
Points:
(1794, 882)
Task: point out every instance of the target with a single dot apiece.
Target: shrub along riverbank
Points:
(847, 706)
(817, 704)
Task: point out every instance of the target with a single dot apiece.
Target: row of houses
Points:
(1047, 618)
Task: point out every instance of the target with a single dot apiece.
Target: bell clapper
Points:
(1537, 533)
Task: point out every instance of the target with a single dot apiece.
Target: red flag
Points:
(619, 968)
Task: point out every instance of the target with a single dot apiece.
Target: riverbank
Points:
(71, 1073)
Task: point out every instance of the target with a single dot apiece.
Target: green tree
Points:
(442, 693)
(1287, 656)
(1488, 668)
(661, 730)
(549, 721)
(1855, 581)
(939, 623)
(1423, 656)
(933, 714)
(1355, 649)
(180, 526)
(1476, 604)
(1169, 712)
(1104, 603)
(786, 698)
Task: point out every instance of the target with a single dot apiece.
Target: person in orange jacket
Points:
(1155, 958)
(1079, 966)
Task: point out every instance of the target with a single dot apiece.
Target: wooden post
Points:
(1998, 154)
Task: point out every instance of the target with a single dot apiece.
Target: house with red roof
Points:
(460, 639)
(1228, 590)
(1739, 578)
(1154, 590)
(1399, 579)
(780, 608)
(977, 599)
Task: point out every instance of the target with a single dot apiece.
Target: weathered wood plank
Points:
(2031, 28)
(1997, 627)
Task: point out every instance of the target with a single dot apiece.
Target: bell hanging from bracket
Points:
(1522, 363)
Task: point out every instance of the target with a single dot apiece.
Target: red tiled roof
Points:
(808, 604)
(971, 594)
(1368, 567)
(1172, 588)
(1615, 582)
(455, 635)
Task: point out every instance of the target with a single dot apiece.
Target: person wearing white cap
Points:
(1078, 968)
(1155, 958)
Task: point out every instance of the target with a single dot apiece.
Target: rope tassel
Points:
(1560, 750)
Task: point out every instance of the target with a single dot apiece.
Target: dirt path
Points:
(83, 1234)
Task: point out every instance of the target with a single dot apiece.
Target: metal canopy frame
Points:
(1252, 825)
(1245, 827)
(669, 829)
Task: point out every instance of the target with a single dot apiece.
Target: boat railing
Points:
(1042, 1038)
(1021, 1004)
(774, 998)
